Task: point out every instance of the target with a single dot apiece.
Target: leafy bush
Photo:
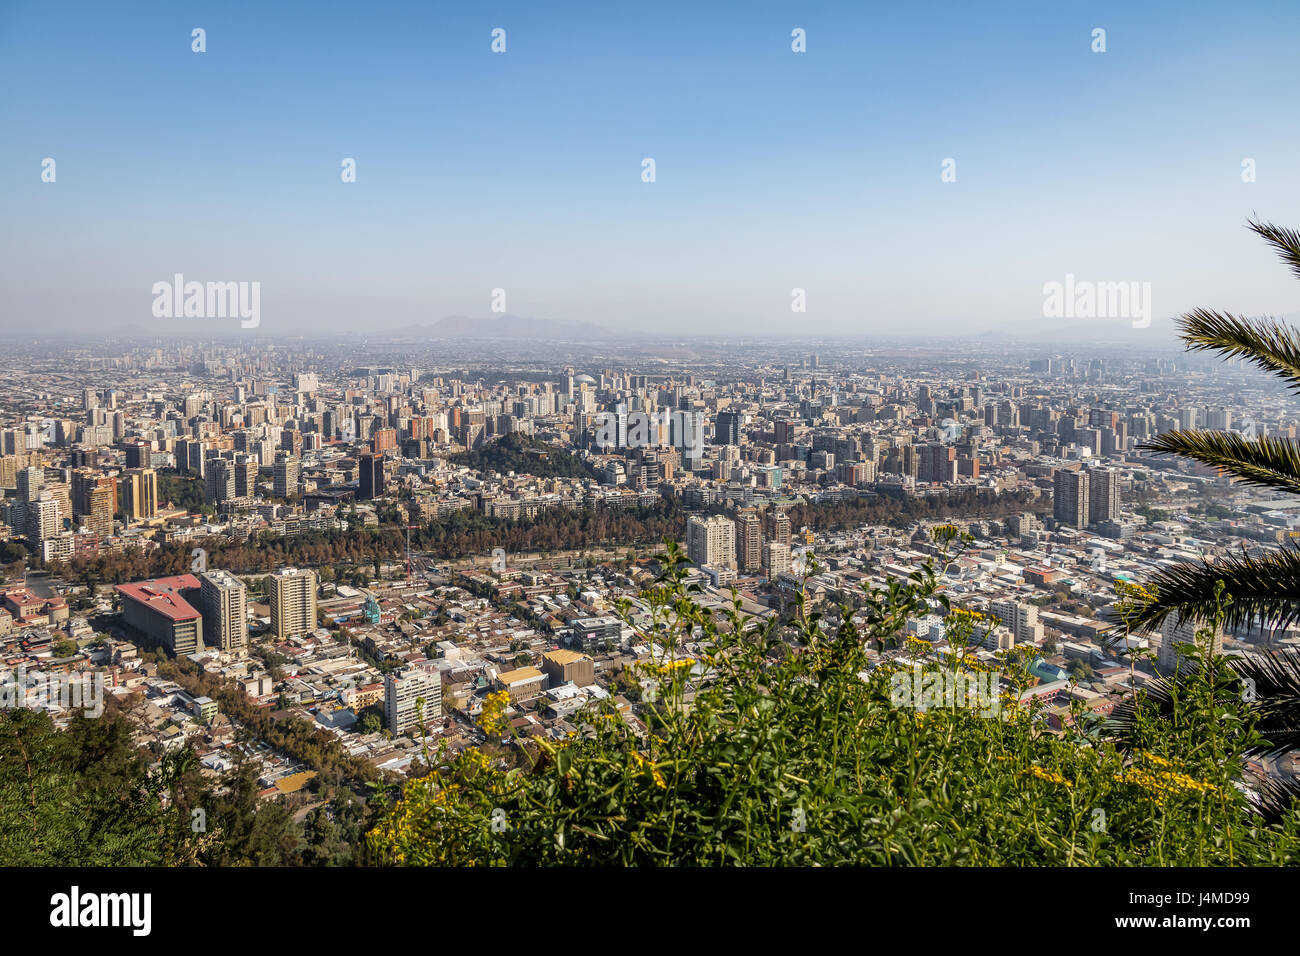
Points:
(785, 747)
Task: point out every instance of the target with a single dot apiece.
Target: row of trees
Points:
(471, 532)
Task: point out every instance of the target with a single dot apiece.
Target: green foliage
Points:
(790, 752)
(521, 454)
(181, 490)
(86, 796)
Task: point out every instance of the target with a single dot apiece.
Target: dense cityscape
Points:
(219, 531)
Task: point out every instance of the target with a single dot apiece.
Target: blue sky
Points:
(522, 170)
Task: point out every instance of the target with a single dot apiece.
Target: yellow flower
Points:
(1050, 776)
(492, 720)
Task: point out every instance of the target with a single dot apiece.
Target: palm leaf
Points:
(1274, 798)
(1286, 242)
(1265, 462)
(1274, 699)
(1274, 682)
(1267, 343)
(1267, 588)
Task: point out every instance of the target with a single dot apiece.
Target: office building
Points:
(402, 696)
(726, 428)
(1070, 498)
(293, 602)
(372, 477)
(1103, 495)
(224, 602)
(139, 494)
(161, 610)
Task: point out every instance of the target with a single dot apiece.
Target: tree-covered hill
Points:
(524, 455)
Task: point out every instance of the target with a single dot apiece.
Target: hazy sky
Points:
(523, 170)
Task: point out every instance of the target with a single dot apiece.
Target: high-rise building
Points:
(726, 428)
(293, 602)
(402, 694)
(1103, 495)
(43, 519)
(286, 474)
(94, 500)
(219, 480)
(291, 441)
(245, 476)
(778, 526)
(1021, 618)
(1102, 418)
(138, 454)
(189, 454)
(749, 540)
(139, 493)
(372, 477)
(711, 541)
(936, 462)
(1070, 497)
(29, 482)
(776, 558)
(224, 601)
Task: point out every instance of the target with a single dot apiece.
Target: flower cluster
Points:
(493, 718)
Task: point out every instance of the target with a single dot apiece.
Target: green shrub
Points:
(790, 752)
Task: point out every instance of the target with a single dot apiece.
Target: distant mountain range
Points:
(506, 326)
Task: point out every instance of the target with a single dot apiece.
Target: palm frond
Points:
(1274, 688)
(1286, 242)
(1264, 462)
(1157, 696)
(1266, 588)
(1274, 798)
(1269, 684)
(1267, 343)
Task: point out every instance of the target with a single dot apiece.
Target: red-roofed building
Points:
(160, 609)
